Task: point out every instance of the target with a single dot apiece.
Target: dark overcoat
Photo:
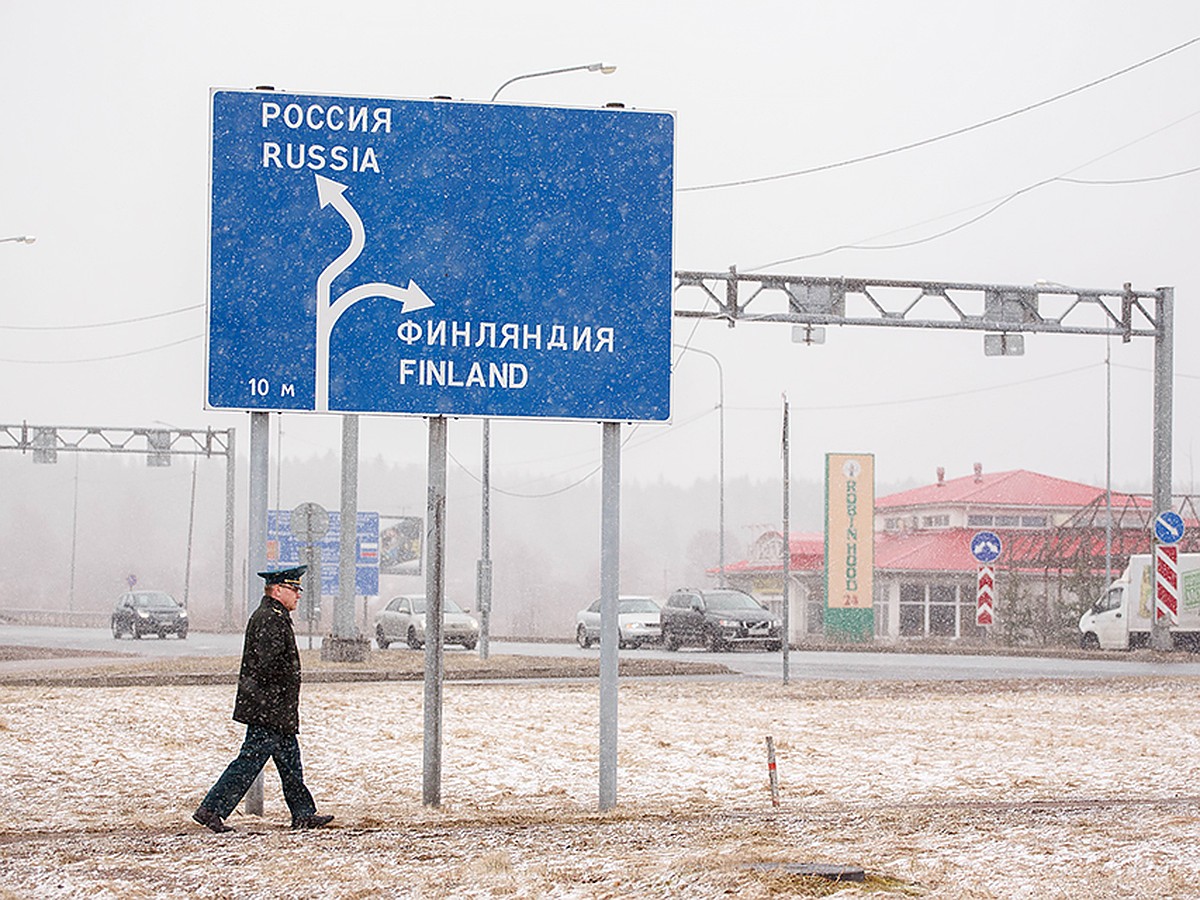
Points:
(269, 682)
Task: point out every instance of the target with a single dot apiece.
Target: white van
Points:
(1120, 619)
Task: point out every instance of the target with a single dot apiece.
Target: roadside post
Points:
(1168, 531)
(986, 547)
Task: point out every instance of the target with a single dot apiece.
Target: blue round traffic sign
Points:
(1168, 527)
(986, 546)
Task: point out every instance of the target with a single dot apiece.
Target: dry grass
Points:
(113, 669)
(1018, 789)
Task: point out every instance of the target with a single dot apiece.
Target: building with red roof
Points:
(1055, 537)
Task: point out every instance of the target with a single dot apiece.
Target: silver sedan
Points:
(637, 622)
(403, 619)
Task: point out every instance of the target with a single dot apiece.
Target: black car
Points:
(149, 612)
(718, 620)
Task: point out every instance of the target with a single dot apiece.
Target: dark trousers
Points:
(260, 745)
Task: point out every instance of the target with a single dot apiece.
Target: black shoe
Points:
(210, 820)
(313, 821)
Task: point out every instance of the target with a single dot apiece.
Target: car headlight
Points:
(183, 614)
(143, 614)
(728, 623)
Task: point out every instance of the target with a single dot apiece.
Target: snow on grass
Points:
(1008, 789)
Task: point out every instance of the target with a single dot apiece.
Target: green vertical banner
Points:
(849, 546)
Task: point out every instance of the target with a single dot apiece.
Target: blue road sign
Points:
(1168, 527)
(283, 549)
(439, 258)
(986, 546)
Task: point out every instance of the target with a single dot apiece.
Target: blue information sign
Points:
(439, 258)
(284, 549)
(1168, 527)
(986, 546)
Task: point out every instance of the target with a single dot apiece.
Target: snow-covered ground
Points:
(1005, 789)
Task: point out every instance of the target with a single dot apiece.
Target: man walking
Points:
(268, 704)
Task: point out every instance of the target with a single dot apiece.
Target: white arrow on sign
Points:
(330, 192)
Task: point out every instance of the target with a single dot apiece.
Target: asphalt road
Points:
(802, 665)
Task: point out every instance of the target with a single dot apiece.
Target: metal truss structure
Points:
(1006, 311)
(159, 445)
(811, 301)
(1083, 542)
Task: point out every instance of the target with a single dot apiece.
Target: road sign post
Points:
(986, 547)
(986, 585)
(440, 258)
(1168, 531)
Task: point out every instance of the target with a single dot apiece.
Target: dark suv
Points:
(718, 619)
(149, 612)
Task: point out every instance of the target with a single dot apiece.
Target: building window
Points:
(912, 610)
(1008, 521)
(892, 524)
(1033, 521)
(935, 521)
(942, 612)
(978, 521)
(968, 593)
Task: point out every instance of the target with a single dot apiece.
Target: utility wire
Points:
(926, 399)
(539, 496)
(100, 324)
(998, 203)
(51, 362)
(971, 221)
(945, 135)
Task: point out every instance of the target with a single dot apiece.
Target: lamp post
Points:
(483, 570)
(19, 239)
(590, 67)
(721, 463)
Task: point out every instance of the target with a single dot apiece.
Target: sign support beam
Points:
(435, 583)
(610, 579)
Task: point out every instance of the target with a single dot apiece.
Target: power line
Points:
(1145, 180)
(997, 205)
(540, 496)
(100, 324)
(51, 362)
(926, 399)
(940, 137)
(1062, 176)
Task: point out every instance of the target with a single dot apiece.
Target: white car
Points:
(403, 619)
(637, 622)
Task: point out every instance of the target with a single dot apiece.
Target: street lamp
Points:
(19, 239)
(591, 67)
(721, 464)
(483, 572)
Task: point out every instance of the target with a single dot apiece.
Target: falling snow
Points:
(1008, 789)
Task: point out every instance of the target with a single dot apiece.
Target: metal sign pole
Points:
(343, 606)
(1160, 631)
(787, 543)
(483, 578)
(435, 581)
(230, 505)
(260, 459)
(610, 571)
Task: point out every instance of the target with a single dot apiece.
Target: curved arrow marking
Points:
(330, 192)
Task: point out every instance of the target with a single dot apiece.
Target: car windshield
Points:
(730, 600)
(637, 605)
(448, 605)
(155, 601)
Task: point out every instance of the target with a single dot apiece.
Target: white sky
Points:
(106, 152)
